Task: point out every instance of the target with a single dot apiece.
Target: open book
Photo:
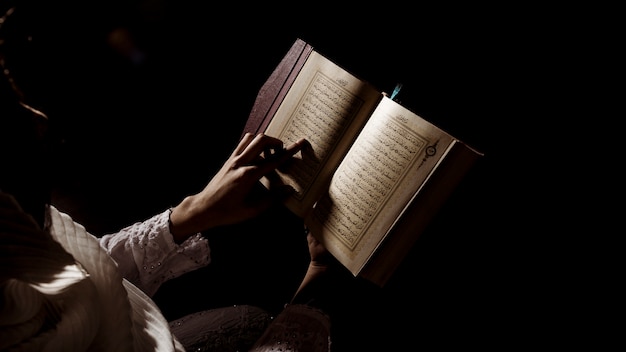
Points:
(374, 173)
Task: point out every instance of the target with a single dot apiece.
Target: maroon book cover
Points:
(273, 91)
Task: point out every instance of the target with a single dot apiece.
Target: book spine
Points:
(273, 91)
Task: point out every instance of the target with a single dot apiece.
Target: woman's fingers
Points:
(249, 150)
(243, 143)
(280, 157)
(265, 152)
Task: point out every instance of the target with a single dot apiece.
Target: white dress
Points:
(98, 299)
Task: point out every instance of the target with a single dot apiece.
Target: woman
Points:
(66, 289)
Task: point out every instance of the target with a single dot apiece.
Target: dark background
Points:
(141, 132)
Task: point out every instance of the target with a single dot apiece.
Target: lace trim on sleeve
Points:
(148, 256)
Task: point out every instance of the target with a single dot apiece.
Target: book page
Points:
(328, 106)
(389, 161)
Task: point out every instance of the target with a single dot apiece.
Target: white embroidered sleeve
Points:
(147, 255)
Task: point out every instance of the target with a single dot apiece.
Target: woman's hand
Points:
(230, 196)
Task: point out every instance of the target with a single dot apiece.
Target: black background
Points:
(139, 136)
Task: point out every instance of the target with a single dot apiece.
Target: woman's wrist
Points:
(183, 220)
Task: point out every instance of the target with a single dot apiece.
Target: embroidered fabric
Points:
(147, 255)
(233, 328)
(297, 328)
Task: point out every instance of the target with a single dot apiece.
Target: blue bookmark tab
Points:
(396, 90)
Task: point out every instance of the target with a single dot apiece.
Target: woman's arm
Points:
(170, 244)
(147, 255)
(230, 196)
